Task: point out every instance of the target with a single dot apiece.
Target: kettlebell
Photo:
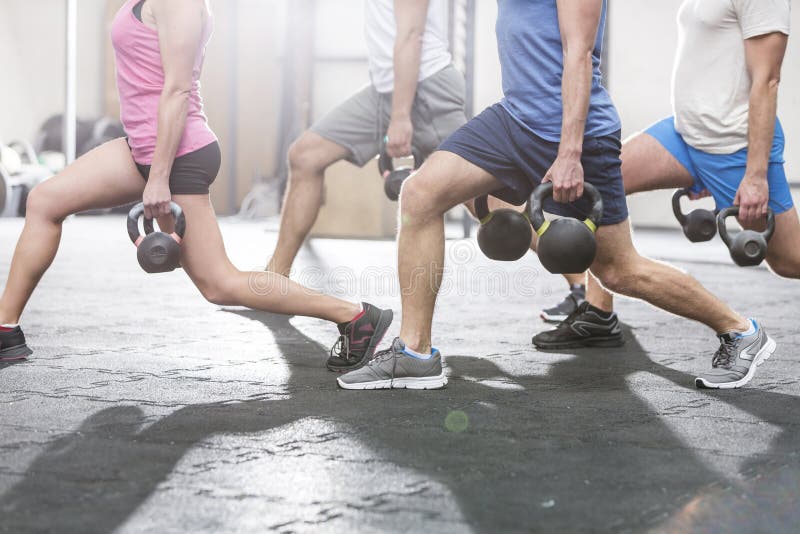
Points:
(566, 245)
(504, 234)
(747, 247)
(698, 225)
(157, 252)
(394, 180)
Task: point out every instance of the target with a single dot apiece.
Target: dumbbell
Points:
(504, 234)
(698, 225)
(747, 247)
(566, 245)
(394, 177)
(157, 252)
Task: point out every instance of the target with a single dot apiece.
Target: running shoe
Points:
(735, 362)
(395, 368)
(587, 326)
(12, 344)
(359, 338)
(559, 312)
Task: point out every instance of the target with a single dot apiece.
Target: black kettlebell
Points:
(698, 225)
(566, 245)
(394, 179)
(157, 252)
(505, 234)
(747, 247)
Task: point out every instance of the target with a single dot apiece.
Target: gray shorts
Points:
(360, 123)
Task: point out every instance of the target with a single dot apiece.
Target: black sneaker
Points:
(12, 344)
(359, 338)
(560, 312)
(587, 326)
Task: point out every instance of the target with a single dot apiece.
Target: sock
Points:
(9, 325)
(601, 313)
(750, 331)
(577, 287)
(415, 354)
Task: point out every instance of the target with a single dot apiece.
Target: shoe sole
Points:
(762, 356)
(546, 317)
(20, 352)
(425, 382)
(384, 322)
(596, 342)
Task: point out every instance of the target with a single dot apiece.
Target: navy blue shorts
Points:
(501, 146)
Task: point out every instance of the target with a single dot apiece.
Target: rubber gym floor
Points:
(147, 409)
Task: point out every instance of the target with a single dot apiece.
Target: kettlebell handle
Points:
(138, 211)
(545, 190)
(386, 162)
(732, 211)
(676, 205)
(484, 215)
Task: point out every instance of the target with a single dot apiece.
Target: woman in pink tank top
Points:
(170, 154)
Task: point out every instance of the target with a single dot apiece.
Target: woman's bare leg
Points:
(205, 261)
(103, 178)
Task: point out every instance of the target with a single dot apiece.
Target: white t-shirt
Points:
(381, 29)
(710, 82)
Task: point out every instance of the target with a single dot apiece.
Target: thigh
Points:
(354, 125)
(784, 247)
(203, 255)
(102, 178)
(446, 180)
(322, 151)
(648, 165)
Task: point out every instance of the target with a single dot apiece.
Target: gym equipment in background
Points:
(157, 252)
(566, 245)
(89, 134)
(698, 225)
(505, 234)
(20, 172)
(747, 247)
(394, 177)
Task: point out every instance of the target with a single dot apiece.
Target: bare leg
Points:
(309, 156)
(621, 269)
(103, 178)
(205, 261)
(646, 166)
(783, 251)
(444, 181)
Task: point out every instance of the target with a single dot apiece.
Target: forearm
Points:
(576, 87)
(407, 54)
(761, 126)
(172, 111)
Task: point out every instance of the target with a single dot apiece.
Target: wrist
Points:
(401, 115)
(570, 151)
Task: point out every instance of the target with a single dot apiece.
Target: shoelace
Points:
(341, 348)
(724, 354)
(573, 315)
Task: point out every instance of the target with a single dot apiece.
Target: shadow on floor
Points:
(573, 449)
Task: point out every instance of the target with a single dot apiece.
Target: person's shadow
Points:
(572, 449)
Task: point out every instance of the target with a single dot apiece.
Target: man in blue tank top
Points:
(556, 123)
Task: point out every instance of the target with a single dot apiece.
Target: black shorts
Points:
(498, 144)
(192, 173)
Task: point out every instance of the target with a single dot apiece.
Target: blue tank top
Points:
(531, 60)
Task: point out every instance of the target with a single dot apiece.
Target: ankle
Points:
(416, 343)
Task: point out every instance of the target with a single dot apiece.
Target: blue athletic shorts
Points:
(721, 174)
(506, 149)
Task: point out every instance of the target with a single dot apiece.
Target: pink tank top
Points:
(140, 82)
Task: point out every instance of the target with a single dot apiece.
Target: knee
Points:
(418, 202)
(216, 290)
(620, 278)
(786, 268)
(42, 205)
(303, 159)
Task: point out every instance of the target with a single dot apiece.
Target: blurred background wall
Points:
(243, 76)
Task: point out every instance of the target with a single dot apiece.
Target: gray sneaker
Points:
(735, 362)
(394, 369)
(562, 310)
